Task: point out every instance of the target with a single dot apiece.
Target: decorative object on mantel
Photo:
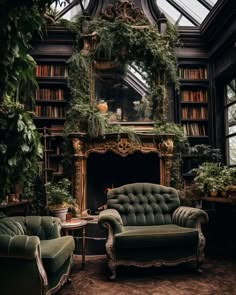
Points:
(102, 106)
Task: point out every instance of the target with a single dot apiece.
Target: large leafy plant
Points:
(20, 147)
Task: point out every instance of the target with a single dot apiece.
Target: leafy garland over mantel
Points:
(121, 43)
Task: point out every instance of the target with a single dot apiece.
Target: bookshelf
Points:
(193, 101)
(51, 97)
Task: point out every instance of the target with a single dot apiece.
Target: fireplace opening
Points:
(109, 170)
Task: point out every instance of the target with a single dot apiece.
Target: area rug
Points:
(218, 278)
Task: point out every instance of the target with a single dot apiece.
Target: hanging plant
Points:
(121, 43)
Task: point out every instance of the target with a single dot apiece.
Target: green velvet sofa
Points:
(146, 226)
(34, 258)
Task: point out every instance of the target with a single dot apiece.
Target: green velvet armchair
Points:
(147, 227)
(34, 258)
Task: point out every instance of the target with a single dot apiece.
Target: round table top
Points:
(74, 223)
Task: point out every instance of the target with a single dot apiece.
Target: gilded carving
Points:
(122, 146)
(124, 10)
(166, 147)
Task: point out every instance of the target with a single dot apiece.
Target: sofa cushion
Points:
(11, 227)
(56, 251)
(142, 204)
(169, 235)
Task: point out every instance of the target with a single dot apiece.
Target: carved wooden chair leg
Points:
(112, 268)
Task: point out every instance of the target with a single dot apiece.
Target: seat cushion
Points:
(56, 251)
(169, 235)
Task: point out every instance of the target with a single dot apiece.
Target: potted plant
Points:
(59, 197)
(208, 176)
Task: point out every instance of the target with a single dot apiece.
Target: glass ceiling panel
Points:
(193, 9)
(179, 12)
(172, 14)
(68, 9)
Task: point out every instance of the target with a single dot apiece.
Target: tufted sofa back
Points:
(144, 203)
(45, 227)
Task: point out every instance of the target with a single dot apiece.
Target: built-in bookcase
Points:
(51, 97)
(193, 101)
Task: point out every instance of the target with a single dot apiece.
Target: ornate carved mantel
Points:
(119, 144)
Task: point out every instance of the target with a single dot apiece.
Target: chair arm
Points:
(22, 246)
(112, 217)
(189, 217)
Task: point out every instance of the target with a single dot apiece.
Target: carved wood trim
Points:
(122, 146)
(124, 10)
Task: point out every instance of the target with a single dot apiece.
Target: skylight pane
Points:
(61, 8)
(172, 14)
(194, 8)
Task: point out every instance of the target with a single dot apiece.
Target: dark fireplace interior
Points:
(110, 170)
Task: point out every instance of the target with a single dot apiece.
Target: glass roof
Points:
(179, 12)
(186, 12)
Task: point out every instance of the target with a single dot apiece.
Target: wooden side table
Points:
(69, 227)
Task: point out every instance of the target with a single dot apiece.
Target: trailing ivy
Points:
(122, 43)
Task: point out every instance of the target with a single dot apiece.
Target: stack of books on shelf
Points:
(194, 113)
(56, 70)
(194, 73)
(49, 94)
(194, 96)
(194, 129)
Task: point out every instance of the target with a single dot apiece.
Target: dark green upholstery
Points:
(147, 226)
(34, 258)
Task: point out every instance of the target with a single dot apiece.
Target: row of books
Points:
(50, 111)
(195, 73)
(194, 113)
(49, 94)
(56, 70)
(194, 129)
(194, 96)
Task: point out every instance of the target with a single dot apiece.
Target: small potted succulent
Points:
(59, 197)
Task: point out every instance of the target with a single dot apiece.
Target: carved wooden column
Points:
(166, 153)
(79, 174)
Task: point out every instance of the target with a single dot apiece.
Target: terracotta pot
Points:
(224, 193)
(102, 107)
(213, 193)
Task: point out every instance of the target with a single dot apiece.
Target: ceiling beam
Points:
(206, 4)
(184, 12)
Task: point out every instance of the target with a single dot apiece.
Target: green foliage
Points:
(205, 153)
(59, 194)
(18, 22)
(125, 44)
(181, 144)
(212, 176)
(20, 147)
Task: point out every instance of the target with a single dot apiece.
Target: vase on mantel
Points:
(102, 106)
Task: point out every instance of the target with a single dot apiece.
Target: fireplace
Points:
(109, 170)
(113, 160)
